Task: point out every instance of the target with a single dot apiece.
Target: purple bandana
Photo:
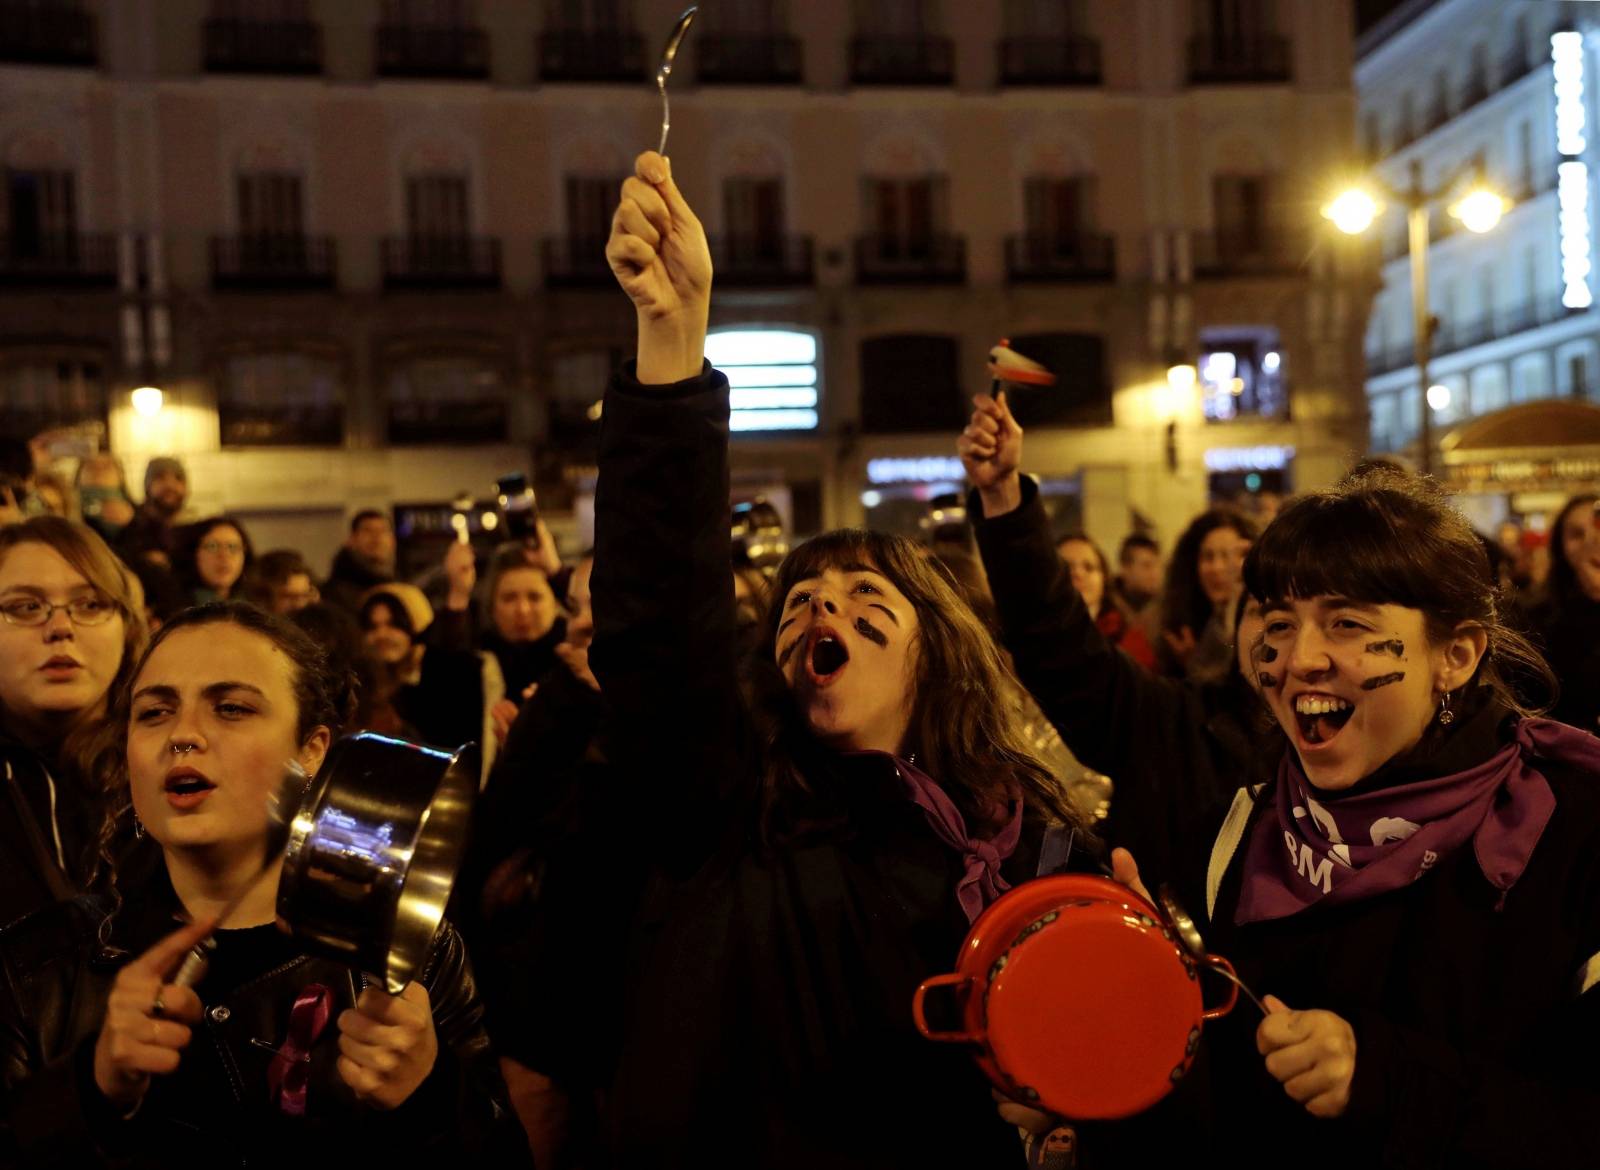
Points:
(981, 883)
(1354, 847)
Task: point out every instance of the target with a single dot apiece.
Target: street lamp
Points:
(1479, 209)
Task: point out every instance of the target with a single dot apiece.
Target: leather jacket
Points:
(217, 1109)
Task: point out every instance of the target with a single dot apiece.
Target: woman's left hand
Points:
(387, 1044)
(503, 714)
(1312, 1054)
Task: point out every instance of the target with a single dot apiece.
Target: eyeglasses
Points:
(216, 546)
(83, 611)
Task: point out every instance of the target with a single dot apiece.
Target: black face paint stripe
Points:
(887, 612)
(785, 625)
(1268, 653)
(1267, 681)
(1383, 680)
(871, 633)
(788, 653)
(1390, 646)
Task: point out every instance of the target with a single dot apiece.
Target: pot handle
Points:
(922, 1021)
(1225, 968)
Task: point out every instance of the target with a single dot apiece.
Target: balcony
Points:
(1049, 61)
(256, 424)
(1234, 61)
(446, 50)
(762, 261)
(258, 46)
(1259, 252)
(1438, 114)
(272, 262)
(591, 56)
(69, 259)
(902, 61)
(1040, 258)
(939, 258)
(429, 262)
(576, 262)
(35, 33)
(1448, 338)
(769, 60)
(1475, 91)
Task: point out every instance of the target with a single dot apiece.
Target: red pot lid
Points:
(1093, 1012)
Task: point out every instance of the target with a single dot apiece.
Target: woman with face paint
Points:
(823, 840)
(1415, 887)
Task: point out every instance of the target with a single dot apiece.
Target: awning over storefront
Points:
(1553, 445)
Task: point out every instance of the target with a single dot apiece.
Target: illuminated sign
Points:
(929, 469)
(1572, 175)
(772, 375)
(1248, 458)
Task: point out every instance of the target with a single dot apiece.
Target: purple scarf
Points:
(1351, 848)
(981, 883)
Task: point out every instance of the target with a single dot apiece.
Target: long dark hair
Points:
(1563, 580)
(1105, 567)
(1183, 601)
(963, 730)
(1392, 538)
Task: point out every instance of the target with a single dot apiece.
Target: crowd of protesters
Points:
(731, 815)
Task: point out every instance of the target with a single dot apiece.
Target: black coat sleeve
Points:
(664, 647)
(1146, 732)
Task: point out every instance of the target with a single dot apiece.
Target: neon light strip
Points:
(1572, 190)
(1566, 54)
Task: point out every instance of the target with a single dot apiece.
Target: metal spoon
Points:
(282, 806)
(1189, 934)
(664, 70)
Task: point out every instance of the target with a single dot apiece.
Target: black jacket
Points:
(39, 805)
(1474, 1038)
(1567, 630)
(215, 1110)
(1175, 751)
(769, 1019)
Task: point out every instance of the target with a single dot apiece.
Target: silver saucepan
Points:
(374, 850)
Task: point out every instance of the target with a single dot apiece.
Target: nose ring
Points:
(182, 749)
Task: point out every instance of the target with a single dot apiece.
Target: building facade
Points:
(1508, 87)
(358, 244)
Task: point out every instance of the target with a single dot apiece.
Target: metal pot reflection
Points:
(374, 851)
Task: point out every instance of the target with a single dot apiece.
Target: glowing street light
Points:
(147, 400)
(1479, 209)
(1352, 211)
(1439, 396)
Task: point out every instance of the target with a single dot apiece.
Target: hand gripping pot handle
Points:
(917, 1013)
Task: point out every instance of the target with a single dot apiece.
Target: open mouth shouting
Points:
(187, 788)
(1320, 717)
(826, 656)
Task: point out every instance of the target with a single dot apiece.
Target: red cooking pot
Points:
(1078, 998)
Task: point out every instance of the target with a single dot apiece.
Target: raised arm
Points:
(1093, 694)
(663, 594)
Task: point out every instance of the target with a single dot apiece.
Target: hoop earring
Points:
(138, 827)
(1446, 716)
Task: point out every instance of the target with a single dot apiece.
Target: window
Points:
(1385, 422)
(747, 18)
(752, 214)
(577, 381)
(1059, 208)
(907, 213)
(1046, 18)
(429, 13)
(1406, 131)
(1241, 208)
(893, 18)
(772, 374)
(1081, 399)
(39, 394)
(270, 204)
(41, 212)
(1477, 87)
(911, 382)
(280, 397)
(590, 205)
(607, 16)
(1242, 373)
(1530, 379)
(448, 398)
(1371, 138)
(262, 11)
(436, 206)
(1578, 376)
